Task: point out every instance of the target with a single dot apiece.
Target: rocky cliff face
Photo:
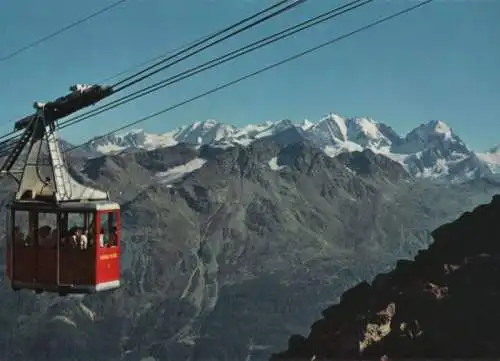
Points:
(443, 304)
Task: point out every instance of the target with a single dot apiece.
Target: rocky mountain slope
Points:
(431, 150)
(227, 250)
(443, 304)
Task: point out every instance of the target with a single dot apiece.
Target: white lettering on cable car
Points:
(108, 256)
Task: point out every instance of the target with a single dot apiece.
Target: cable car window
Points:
(80, 230)
(113, 230)
(47, 230)
(21, 228)
(91, 229)
(108, 234)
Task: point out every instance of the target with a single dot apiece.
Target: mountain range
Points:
(233, 243)
(431, 150)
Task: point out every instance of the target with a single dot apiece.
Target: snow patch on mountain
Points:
(273, 164)
(110, 148)
(179, 171)
(153, 141)
(347, 146)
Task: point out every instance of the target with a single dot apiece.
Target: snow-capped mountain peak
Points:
(205, 132)
(366, 126)
(306, 124)
(344, 133)
(249, 133)
(432, 129)
(441, 127)
(434, 134)
(334, 125)
(204, 125)
(366, 132)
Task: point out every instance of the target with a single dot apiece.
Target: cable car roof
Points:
(103, 205)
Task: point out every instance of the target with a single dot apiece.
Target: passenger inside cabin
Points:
(114, 236)
(102, 239)
(73, 237)
(88, 234)
(83, 239)
(76, 239)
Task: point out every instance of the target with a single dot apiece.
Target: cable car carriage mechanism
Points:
(62, 236)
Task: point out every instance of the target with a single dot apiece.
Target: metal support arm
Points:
(51, 180)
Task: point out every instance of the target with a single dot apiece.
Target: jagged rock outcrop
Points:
(443, 304)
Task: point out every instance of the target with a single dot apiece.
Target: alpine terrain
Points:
(236, 238)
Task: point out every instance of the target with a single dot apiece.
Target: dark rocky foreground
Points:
(443, 304)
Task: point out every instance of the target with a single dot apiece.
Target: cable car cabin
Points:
(71, 247)
(63, 236)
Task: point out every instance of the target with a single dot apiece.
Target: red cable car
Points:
(63, 236)
(73, 247)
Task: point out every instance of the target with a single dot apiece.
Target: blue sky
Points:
(441, 61)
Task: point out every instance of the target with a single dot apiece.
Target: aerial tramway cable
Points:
(292, 4)
(262, 70)
(219, 60)
(60, 31)
(163, 55)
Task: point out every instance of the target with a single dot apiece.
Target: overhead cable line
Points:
(185, 47)
(7, 135)
(145, 62)
(293, 4)
(219, 60)
(7, 143)
(60, 31)
(262, 70)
